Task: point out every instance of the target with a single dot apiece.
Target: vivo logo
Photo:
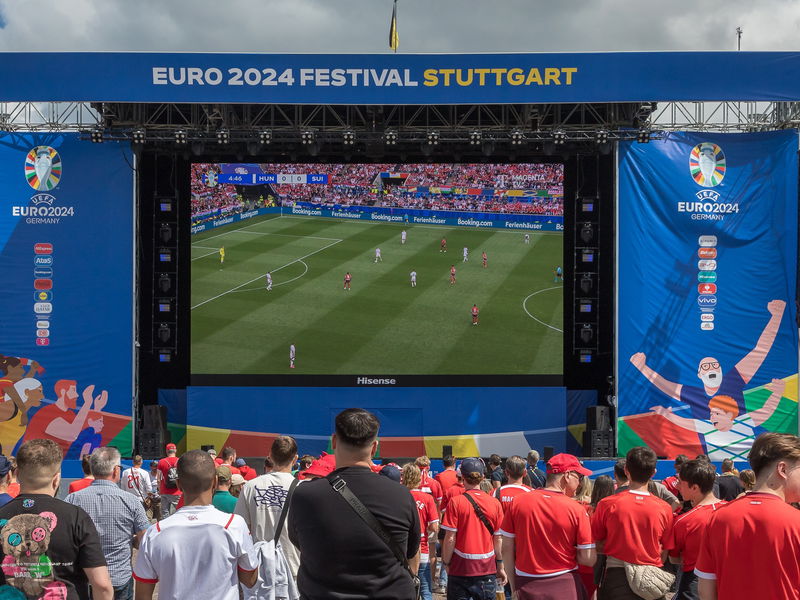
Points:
(707, 301)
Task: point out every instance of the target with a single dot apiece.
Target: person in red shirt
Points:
(696, 485)
(429, 483)
(347, 279)
(515, 473)
(474, 314)
(751, 547)
(443, 245)
(169, 494)
(631, 526)
(447, 478)
(546, 535)
(88, 478)
(483, 258)
(672, 482)
(228, 456)
(411, 477)
(471, 546)
(452, 274)
(247, 472)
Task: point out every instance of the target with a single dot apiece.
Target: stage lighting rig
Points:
(138, 136)
(475, 138)
(643, 137)
(559, 137)
(265, 136)
(349, 137)
(517, 137)
(587, 333)
(433, 138)
(601, 137)
(181, 136)
(307, 137)
(587, 233)
(223, 136)
(97, 135)
(390, 137)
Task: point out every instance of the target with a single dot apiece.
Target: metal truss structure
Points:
(476, 124)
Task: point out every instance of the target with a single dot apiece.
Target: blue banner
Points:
(397, 215)
(399, 78)
(707, 336)
(66, 246)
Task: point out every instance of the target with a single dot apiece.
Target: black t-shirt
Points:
(537, 477)
(340, 556)
(46, 544)
(730, 487)
(499, 475)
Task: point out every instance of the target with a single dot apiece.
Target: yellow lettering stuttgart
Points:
(499, 76)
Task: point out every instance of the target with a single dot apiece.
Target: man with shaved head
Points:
(199, 547)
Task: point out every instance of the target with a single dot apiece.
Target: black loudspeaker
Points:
(597, 444)
(154, 416)
(152, 442)
(207, 447)
(547, 453)
(598, 417)
(447, 451)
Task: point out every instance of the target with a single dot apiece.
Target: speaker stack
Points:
(153, 435)
(597, 439)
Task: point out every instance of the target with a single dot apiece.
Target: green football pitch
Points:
(382, 325)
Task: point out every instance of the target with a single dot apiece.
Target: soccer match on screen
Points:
(369, 268)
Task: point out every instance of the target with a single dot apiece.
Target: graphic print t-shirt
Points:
(697, 399)
(46, 544)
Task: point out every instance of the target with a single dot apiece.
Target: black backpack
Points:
(171, 480)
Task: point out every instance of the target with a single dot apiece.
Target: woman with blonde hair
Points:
(411, 477)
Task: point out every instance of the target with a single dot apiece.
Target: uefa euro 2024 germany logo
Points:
(43, 168)
(707, 164)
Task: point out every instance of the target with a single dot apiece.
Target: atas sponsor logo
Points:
(43, 284)
(43, 296)
(706, 326)
(707, 317)
(43, 261)
(43, 248)
(707, 253)
(707, 276)
(707, 164)
(707, 241)
(707, 265)
(707, 288)
(42, 272)
(43, 168)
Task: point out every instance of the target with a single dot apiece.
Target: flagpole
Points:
(394, 39)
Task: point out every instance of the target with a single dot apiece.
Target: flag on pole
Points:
(394, 39)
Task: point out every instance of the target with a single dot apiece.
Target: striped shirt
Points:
(118, 516)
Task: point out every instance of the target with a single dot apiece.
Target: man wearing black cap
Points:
(471, 546)
(5, 480)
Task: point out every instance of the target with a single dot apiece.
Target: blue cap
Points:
(240, 463)
(472, 465)
(5, 466)
(391, 472)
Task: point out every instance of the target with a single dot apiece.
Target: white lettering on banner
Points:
(198, 228)
(318, 77)
(224, 221)
(186, 76)
(247, 215)
(371, 381)
(518, 225)
(379, 217)
(474, 223)
(431, 220)
(305, 211)
(345, 215)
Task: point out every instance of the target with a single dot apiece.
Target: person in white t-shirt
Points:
(465, 252)
(269, 281)
(403, 237)
(261, 500)
(413, 279)
(378, 255)
(199, 551)
(292, 355)
(136, 480)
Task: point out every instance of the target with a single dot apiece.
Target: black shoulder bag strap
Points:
(340, 486)
(480, 514)
(285, 510)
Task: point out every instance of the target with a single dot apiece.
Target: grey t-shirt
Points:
(661, 491)
(260, 504)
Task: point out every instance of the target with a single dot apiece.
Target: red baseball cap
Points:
(171, 447)
(563, 463)
(322, 467)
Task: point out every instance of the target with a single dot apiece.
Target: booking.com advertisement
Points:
(66, 324)
(707, 336)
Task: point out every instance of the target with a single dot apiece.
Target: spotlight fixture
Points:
(517, 137)
(587, 333)
(181, 137)
(307, 137)
(223, 136)
(97, 135)
(601, 137)
(433, 138)
(587, 285)
(643, 137)
(559, 137)
(475, 138)
(349, 137)
(265, 136)
(587, 233)
(138, 136)
(390, 137)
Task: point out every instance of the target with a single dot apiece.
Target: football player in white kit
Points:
(413, 279)
(378, 255)
(466, 254)
(527, 238)
(403, 236)
(269, 281)
(292, 354)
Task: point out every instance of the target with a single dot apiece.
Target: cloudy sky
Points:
(329, 26)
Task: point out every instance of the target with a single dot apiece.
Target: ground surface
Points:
(383, 325)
